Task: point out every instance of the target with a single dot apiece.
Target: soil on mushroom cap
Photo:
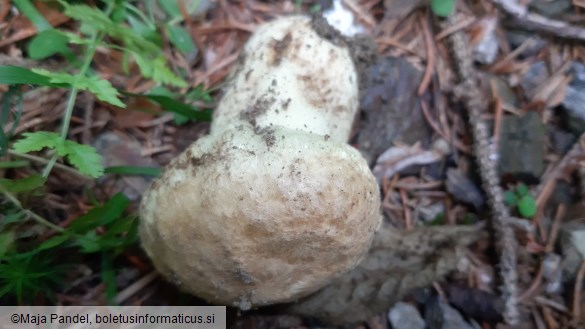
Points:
(327, 32)
(362, 48)
(279, 47)
(260, 107)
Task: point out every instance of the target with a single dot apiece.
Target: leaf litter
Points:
(541, 76)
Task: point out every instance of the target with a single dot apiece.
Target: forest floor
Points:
(76, 155)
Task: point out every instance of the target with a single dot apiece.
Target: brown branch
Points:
(577, 293)
(424, 26)
(475, 104)
(527, 20)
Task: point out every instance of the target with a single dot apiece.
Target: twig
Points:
(555, 305)
(525, 19)
(45, 161)
(407, 217)
(547, 313)
(551, 177)
(452, 29)
(499, 111)
(360, 13)
(390, 41)
(424, 26)
(577, 292)
(435, 126)
(552, 237)
(29, 213)
(135, 287)
(533, 286)
(474, 101)
(538, 320)
(87, 119)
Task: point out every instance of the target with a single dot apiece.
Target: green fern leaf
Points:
(101, 88)
(85, 158)
(36, 141)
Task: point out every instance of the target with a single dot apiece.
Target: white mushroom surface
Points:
(273, 204)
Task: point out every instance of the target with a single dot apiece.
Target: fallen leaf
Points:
(397, 158)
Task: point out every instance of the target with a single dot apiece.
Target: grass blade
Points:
(133, 170)
(31, 12)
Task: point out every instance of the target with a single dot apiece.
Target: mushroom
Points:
(273, 204)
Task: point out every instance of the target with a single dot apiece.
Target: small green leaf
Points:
(146, 30)
(89, 243)
(122, 226)
(75, 39)
(85, 158)
(157, 70)
(162, 74)
(36, 141)
(14, 164)
(162, 91)
(170, 7)
(47, 43)
(109, 276)
(527, 206)
(24, 184)
(101, 88)
(53, 242)
(102, 215)
(181, 39)
(104, 91)
(522, 190)
(178, 119)
(510, 198)
(25, 276)
(94, 20)
(442, 8)
(119, 14)
(19, 75)
(199, 93)
(171, 105)
(6, 242)
(14, 216)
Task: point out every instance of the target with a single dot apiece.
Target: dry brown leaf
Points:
(398, 158)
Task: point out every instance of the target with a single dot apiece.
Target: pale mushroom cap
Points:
(290, 76)
(247, 218)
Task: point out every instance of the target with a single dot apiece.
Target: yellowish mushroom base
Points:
(248, 218)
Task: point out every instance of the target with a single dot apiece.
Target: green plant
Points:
(27, 276)
(520, 198)
(29, 261)
(442, 8)
(104, 230)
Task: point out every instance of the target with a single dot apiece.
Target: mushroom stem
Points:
(289, 76)
(397, 263)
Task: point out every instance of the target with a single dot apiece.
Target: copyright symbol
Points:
(15, 318)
